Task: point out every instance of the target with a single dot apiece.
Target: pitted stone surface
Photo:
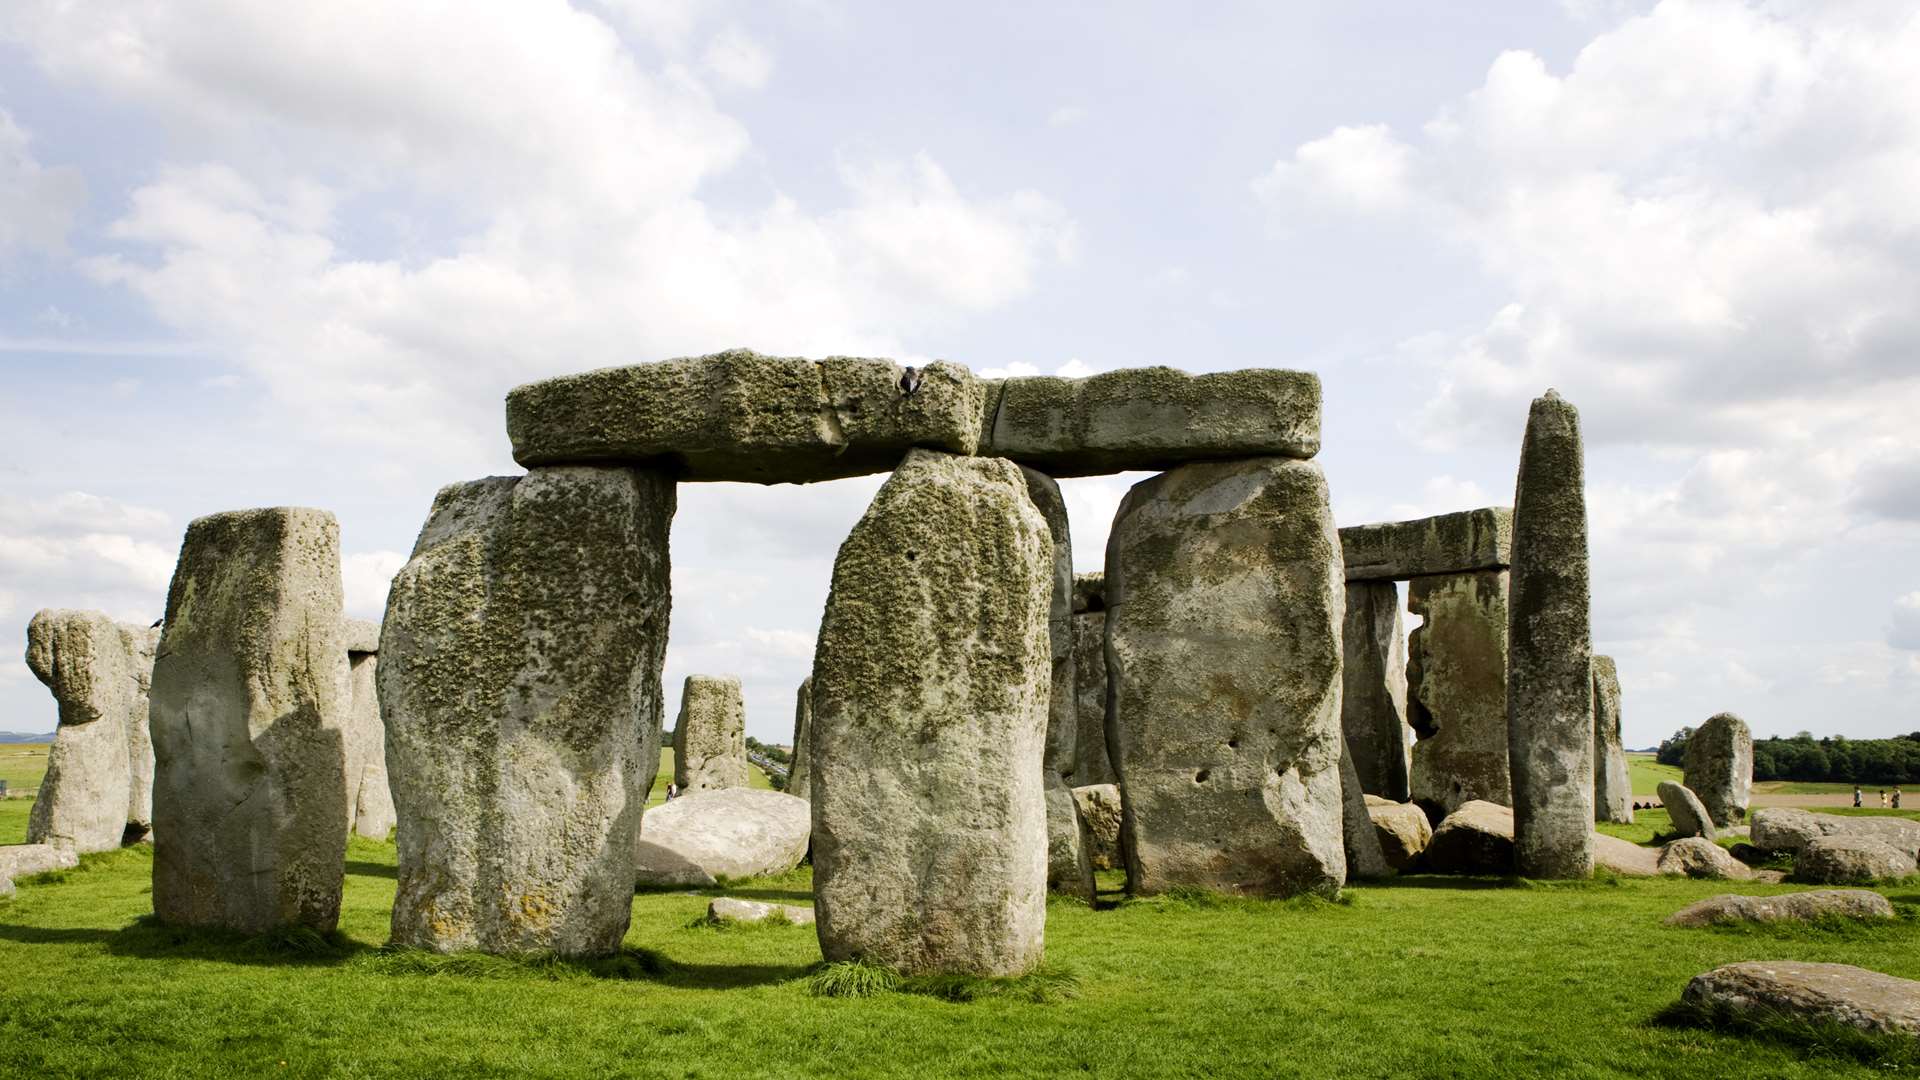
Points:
(1612, 786)
(1683, 807)
(930, 690)
(1154, 418)
(1792, 907)
(1224, 607)
(1829, 993)
(1457, 690)
(734, 832)
(1458, 543)
(710, 735)
(1091, 763)
(1373, 704)
(1068, 867)
(1850, 860)
(742, 416)
(1781, 828)
(1719, 767)
(250, 691)
(520, 681)
(1550, 651)
(360, 635)
(100, 769)
(800, 767)
(1100, 809)
(1402, 830)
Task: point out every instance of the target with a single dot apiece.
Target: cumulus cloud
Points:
(366, 576)
(737, 59)
(37, 203)
(1356, 168)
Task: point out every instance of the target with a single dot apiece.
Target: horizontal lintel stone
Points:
(1457, 543)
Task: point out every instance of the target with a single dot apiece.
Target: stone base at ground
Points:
(728, 909)
(1824, 993)
(1793, 907)
(733, 833)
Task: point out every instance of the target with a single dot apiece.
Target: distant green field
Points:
(755, 778)
(1646, 774)
(23, 764)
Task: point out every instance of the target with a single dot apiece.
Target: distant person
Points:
(1856, 796)
(1896, 798)
(672, 790)
(1883, 798)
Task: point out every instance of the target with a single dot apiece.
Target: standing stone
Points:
(1683, 808)
(710, 736)
(1550, 651)
(799, 767)
(1091, 764)
(1373, 705)
(98, 671)
(1224, 607)
(1365, 858)
(1457, 691)
(1068, 867)
(1612, 784)
(140, 735)
(930, 691)
(1100, 809)
(250, 688)
(1719, 767)
(520, 683)
(369, 796)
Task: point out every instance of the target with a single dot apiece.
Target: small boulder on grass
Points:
(1689, 815)
(1697, 857)
(1766, 992)
(728, 909)
(1793, 907)
(1850, 860)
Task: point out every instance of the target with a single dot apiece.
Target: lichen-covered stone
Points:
(931, 682)
(1782, 828)
(369, 796)
(1224, 609)
(1458, 543)
(736, 832)
(738, 415)
(1698, 857)
(1719, 767)
(710, 735)
(1550, 651)
(1768, 990)
(1612, 785)
(1100, 809)
(1684, 809)
(799, 765)
(1477, 838)
(250, 689)
(360, 636)
(1154, 418)
(1402, 830)
(520, 683)
(1850, 860)
(1457, 691)
(1791, 907)
(99, 775)
(1373, 705)
(1068, 868)
(1091, 763)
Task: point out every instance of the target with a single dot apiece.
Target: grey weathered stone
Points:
(1365, 859)
(98, 671)
(710, 735)
(250, 689)
(360, 636)
(799, 766)
(1850, 860)
(1782, 828)
(1373, 703)
(1100, 808)
(1719, 767)
(1698, 857)
(1402, 829)
(1766, 990)
(1458, 543)
(1457, 690)
(26, 860)
(1068, 867)
(1624, 856)
(728, 909)
(930, 689)
(370, 810)
(1550, 651)
(1612, 784)
(1683, 806)
(1477, 838)
(1091, 763)
(520, 683)
(140, 734)
(1792, 907)
(1154, 418)
(1224, 608)
(742, 416)
(736, 832)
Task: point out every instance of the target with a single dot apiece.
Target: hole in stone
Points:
(1233, 743)
(1201, 776)
(913, 556)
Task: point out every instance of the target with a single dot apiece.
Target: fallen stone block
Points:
(1403, 831)
(1698, 857)
(1689, 817)
(1792, 907)
(1783, 828)
(733, 833)
(1458, 543)
(26, 860)
(1100, 809)
(1624, 857)
(1826, 993)
(1850, 860)
(1477, 838)
(728, 909)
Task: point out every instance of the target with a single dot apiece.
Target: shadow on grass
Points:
(628, 965)
(372, 869)
(149, 938)
(1818, 1038)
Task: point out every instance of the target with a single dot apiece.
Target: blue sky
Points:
(264, 255)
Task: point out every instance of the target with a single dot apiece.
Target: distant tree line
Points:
(1834, 760)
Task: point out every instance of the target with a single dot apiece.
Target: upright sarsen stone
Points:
(1550, 651)
(930, 689)
(1612, 785)
(1069, 869)
(1457, 691)
(1373, 705)
(520, 683)
(369, 796)
(1718, 763)
(710, 735)
(1224, 606)
(799, 766)
(1091, 764)
(250, 688)
(98, 671)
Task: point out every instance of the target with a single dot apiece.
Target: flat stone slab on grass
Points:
(25, 860)
(1698, 857)
(1782, 828)
(1850, 860)
(1478, 839)
(728, 909)
(1793, 907)
(1457, 543)
(727, 832)
(1830, 993)
(1403, 830)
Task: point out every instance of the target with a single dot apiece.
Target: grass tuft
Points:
(777, 920)
(628, 964)
(1044, 985)
(852, 979)
(1817, 1038)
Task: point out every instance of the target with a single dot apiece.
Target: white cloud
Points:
(1905, 631)
(366, 576)
(737, 59)
(1066, 116)
(1016, 369)
(1357, 168)
(37, 204)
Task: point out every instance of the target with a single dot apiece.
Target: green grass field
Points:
(1646, 774)
(755, 778)
(23, 764)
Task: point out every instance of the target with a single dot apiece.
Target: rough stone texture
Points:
(710, 735)
(730, 832)
(1402, 829)
(1068, 867)
(1719, 767)
(1550, 651)
(25, 860)
(360, 636)
(1373, 703)
(520, 682)
(1458, 543)
(1612, 785)
(1792, 907)
(738, 415)
(1781, 828)
(931, 683)
(1365, 859)
(1689, 817)
(1624, 856)
(1698, 857)
(98, 671)
(1457, 691)
(369, 796)
(728, 909)
(799, 766)
(250, 689)
(1091, 764)
(1850, 860)
(1154, 418)
(1827, 993)
(1100, 809)
(140, 735)
(1477, 838)
(1224, 607)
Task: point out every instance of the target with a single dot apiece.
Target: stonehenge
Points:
(369, 795)
(98, 788)
(799, 768)
(1458, 543)
(1457, 691)
(1612, 785)
(1091, 763)
(710, 735)
(1718, 763)
(1373, 701)
(1069, 868)
(735, 832)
